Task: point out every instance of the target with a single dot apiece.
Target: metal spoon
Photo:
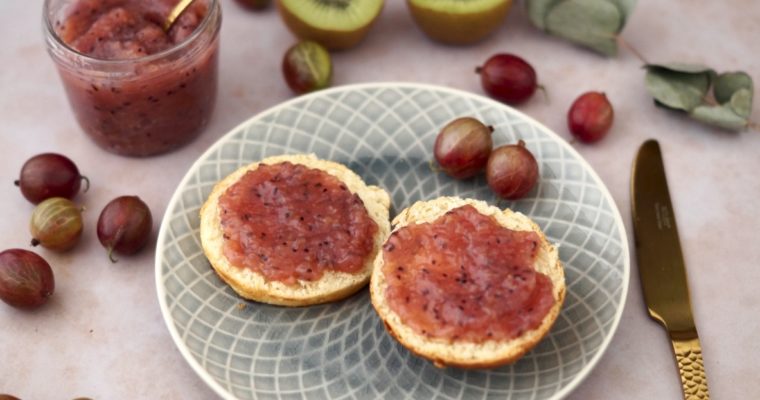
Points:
(175, 13)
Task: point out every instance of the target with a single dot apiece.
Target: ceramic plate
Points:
(385, 132)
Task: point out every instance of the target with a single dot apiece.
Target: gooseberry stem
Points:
(433, 166)
(116, 240)
(86, 182)
(35, 242)
(17, 182)
(110, 256)
(543, 90)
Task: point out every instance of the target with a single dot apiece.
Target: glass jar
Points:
(143, 105)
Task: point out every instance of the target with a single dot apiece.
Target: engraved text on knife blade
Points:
(662, 213)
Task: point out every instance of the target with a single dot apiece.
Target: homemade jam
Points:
(289, 222)
(135, 89)
(465, 277)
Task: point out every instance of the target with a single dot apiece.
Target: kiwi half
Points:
(336, 24)
(459, 21)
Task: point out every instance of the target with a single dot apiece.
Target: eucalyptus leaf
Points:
(537, 11)
(591, 23)
(728, 83)
(682, 67)
(741, 102)
(720, 116)
(626, 9)
(678, 90)
(661, 105)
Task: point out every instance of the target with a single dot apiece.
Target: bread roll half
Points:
(333, 285)
(460, 353)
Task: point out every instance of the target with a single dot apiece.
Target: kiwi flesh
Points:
(336, 24)
(459, 21)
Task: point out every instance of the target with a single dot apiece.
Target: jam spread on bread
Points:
(465, 277)
(289, 222)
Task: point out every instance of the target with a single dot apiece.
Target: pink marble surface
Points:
(102, 334)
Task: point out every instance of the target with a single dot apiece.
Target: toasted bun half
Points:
(459, 353)
(333, 285)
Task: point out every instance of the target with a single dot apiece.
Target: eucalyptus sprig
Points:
(595, 24)
(721, 100)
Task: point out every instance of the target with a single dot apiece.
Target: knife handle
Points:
(692, 369)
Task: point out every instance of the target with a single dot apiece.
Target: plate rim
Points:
(176, 197)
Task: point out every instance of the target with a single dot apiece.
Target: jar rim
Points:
(51, 34)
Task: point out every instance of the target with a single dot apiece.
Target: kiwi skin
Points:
(331, 39)
(459, 29)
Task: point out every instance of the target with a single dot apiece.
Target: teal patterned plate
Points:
(385, 132)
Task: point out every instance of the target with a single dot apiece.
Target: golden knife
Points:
(661, 266)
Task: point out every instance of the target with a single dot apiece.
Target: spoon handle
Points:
(175, 13)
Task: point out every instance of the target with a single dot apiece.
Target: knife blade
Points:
(662, 268)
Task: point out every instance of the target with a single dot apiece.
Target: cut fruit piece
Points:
(459, 21)
(336, 24)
